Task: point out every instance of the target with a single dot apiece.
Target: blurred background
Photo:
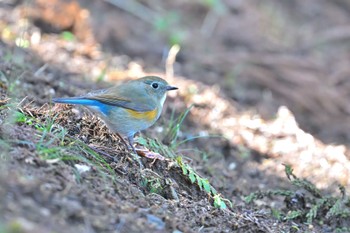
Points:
(242, 63)
(260, 54)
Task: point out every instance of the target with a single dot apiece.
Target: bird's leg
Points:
(131, 147)
(131, 142)
(122, 139)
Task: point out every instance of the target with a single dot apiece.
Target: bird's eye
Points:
(155, 85)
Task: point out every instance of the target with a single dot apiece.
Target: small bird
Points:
(128, 108)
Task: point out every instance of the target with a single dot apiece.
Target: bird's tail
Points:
(92, 104)
(76, 100)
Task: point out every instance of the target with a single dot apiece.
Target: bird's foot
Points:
(138, 160)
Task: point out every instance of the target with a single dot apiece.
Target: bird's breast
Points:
(148, 116)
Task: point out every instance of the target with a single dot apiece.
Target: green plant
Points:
(307, 208)
(68, 36)
(12, 227)
(171, 136)
(173, 129)
(203, 184)
(151, 181)
(20, 117)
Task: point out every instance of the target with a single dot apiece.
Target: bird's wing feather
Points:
(137, 100)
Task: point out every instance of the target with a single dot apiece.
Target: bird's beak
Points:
(169, 88)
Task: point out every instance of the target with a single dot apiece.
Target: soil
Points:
(266, 85)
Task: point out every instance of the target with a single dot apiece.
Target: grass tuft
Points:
(307, 204)
(52, 142)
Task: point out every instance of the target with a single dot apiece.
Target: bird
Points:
(127, 108)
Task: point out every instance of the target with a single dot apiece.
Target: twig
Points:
(169, 66)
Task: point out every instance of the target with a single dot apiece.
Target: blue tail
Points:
(77, 100)
(82, 101)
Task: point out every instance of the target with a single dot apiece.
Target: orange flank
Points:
(149, 116)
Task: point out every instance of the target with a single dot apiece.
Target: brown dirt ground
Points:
(242, 74)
